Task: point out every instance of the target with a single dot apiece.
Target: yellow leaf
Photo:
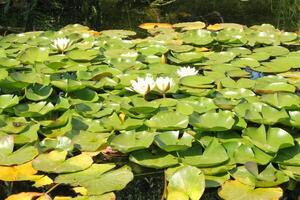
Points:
(235, 190)
(80, 190)
(41, 181)
(148, 26)
(15, 173)
(62, 198)
(24, 196)
(215, 27)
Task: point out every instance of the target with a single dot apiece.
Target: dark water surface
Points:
(27, 15)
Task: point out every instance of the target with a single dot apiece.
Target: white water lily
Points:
(61, 44)
(143, 85)
(164, 84)
(187, 71)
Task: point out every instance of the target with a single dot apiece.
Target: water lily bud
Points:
(61, 44)
(186, 71)
(143, 85)
(164, 84)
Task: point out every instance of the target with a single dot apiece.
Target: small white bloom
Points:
(143, 85)
(61, 44)
(164, 84)
(186, 71)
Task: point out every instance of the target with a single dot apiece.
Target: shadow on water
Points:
(27, 15)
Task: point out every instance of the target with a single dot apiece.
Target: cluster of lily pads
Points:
(214, 106)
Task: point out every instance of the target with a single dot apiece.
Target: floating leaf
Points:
(234, 190)
(38, 92)
(214, 154)
(186, 182)
(34, 54)
(213, 121)
(168, 121)
(270, 141)
(56, 162)
(20, 156)
(173, 141)
(98, 178)
(157, 159)
(129, 141)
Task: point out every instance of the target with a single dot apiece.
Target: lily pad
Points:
(233, 190)
(173, 140)
(129, 141)
(19, 156)
(168, 121)
(38, 92)
(56, 162)
(186, 182)
(34, 54)
(214, 154)
(157, 159)
(213, 121)
(98, 178)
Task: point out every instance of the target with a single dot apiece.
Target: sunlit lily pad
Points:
(173, 141)
(168, 121)
(213, 121)
(56, 162)
(98, 178)
(157, 159)
(129, 141)
(19, 156)
(186, 182)
(214, 154)
(233, 190)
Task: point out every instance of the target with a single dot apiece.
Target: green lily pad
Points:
(268, 177)
(198, 37)
(173, 141)
(282, 100)
(82, 55)
(8, 62)
(214, 154)
(196, 81)
(98, 178)
(269, 141)
(68, 85)
(34, 54)
(186, 183)
(38, 92)
(17, 157)
(8, 100)
(59, 143)
(56, 162)
(186, 57)
(289, 156)
(90, 141)
(233, 190)
(213, 121)
(129, 141)
(33, 109)
(273, 50)
(157, 159)
(216, 180)
(168, 121)
(239, 152)
(235, 93)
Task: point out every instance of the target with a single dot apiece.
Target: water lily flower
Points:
(143, 85)
(187, 71)
(164, 84)
(61, 44)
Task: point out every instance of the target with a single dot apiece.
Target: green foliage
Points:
(82, 106)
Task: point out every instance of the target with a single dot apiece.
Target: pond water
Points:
(26, 15)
